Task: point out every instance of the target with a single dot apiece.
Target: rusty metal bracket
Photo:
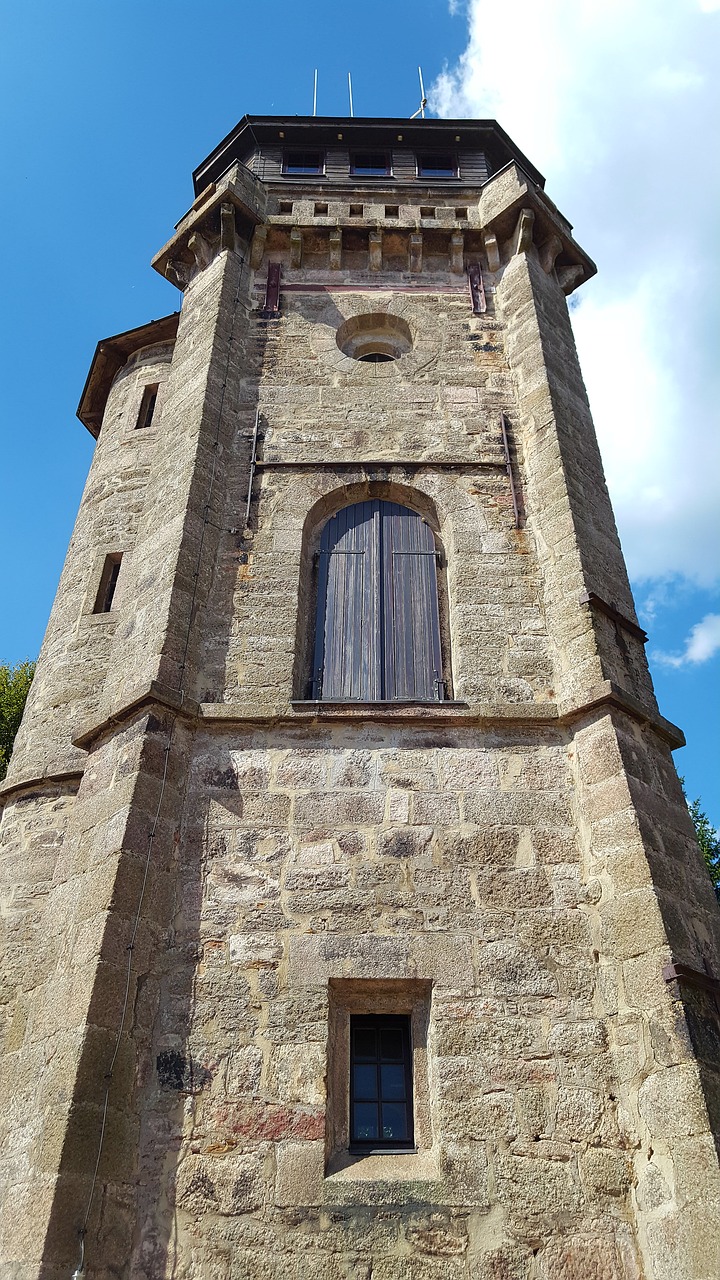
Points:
(602, 606)
(693, 977)
(477, 289)
(504, 424)
(253, 467)
(272, 290)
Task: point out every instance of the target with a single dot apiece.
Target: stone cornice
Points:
(66, 781)
(226, 715)
(221, 213)
(603, 697)
(516, 215)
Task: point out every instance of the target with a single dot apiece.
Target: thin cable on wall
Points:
(80, 1270)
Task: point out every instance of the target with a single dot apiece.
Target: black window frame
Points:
(452, 171)
(303, 171)
(371, 171)
(379, 1023)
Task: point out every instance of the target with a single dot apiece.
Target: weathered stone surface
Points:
(511, 869)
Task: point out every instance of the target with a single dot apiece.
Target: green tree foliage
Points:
(708, 837)
(14, 687)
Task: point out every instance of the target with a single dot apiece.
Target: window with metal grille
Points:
(147, 406)
(377, 635)
(299, 162)
(437, 164)
(369, 164)
(381, 1105)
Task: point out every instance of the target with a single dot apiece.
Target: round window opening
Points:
(375, 338)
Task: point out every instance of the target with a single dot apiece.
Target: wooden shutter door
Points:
(410, 622)
(347, 645)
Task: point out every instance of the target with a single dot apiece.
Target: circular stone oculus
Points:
(375, 337)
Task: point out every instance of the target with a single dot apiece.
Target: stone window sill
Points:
(348, 1167)
(101, 619)
(381, 703)
(382, 1151)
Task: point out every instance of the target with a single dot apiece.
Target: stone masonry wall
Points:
(439, 404)
(513, 868)
(363, 852)
(76, 652)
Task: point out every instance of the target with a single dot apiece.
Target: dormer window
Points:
(297, 163)
(369, 164)
(437, 164)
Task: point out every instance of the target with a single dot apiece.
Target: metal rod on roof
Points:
(315, 94)
(352, 113)
(423, 100)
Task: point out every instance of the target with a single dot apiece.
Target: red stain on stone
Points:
(263, 1122)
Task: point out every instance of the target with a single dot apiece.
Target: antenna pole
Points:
(315, 94)
(352, 113)
(423, 100)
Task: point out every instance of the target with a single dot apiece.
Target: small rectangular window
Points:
(299, 162)
(321, 211)
(356, 211)
(286, 206)
(461, 215)
(426, 211)
(437, 164)
(369, 164)
(392, 210)
(381, 1105)
(108, 583)
(147, 406)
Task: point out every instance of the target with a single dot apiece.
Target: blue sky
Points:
(108, 108)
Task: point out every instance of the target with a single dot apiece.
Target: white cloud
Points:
(702, 643)
(612, 100)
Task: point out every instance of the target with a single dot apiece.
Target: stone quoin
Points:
(353, 922)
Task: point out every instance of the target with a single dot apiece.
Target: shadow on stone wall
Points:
(152, 1074)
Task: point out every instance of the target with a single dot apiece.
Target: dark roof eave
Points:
(412, 130)
(109, 357)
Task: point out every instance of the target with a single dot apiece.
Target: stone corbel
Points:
(228, 236)
(415, 252)
(257, 248)
(569, 277)
(457, 249)
(178, 273)
(549, 253)
(200, 250)
(524, 231)
(335, 248)
(296, 247)
(492, 250)
(376, 241)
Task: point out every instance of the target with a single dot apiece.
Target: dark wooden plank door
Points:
(347, 657)
(378, 630)
(412, 666)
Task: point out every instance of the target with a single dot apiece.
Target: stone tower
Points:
(354, 925)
